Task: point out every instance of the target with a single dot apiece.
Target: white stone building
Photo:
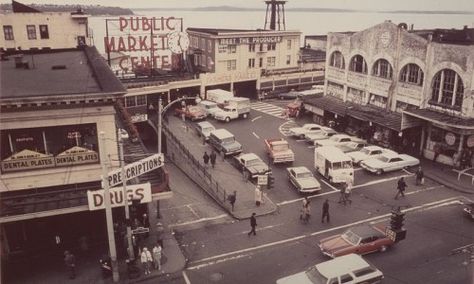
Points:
(412, 90)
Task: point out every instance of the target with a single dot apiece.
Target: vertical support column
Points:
(108, 210)
(45, 144)
(131, 254)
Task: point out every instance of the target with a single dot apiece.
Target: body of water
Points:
(309, 23)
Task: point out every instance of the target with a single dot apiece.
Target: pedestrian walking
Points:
(70, 262)
(160, 231)
(213, 159)
(253, 224)
(205, 157)
(232, 198)
(419, 177)
(305, 210)
(325, 211)
(342, 197)
(401, 186)
(258, 195)
(145, 259)
(157, 256)
(347, 192)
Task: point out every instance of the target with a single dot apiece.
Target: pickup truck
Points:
(251, 165)
(236, 107)
(279, 150)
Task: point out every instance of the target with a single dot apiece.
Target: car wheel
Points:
(227, 119)
(379, 172)
(244, 115)
(383, 248)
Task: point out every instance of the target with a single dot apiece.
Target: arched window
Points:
(382, 69)
(412, 73)
(448, 89)
(358, 64)
(337, 60)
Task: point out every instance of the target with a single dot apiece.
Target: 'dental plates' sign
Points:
(96, 199)
(136, 169)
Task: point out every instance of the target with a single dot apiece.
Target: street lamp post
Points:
(108, 210)
(131, 254)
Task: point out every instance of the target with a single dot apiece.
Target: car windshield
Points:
(341, 165)
(383, 159)
(365, 151)
(253, 162)
(315, 277)
(282, 147)
(351, 237)
(228, 140)
(305, 175)
(208, 129)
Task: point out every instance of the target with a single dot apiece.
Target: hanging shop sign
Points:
(136, 169)
(470, 141)
(450, 138)
(96, 199)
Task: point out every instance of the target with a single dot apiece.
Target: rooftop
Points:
(53, 73)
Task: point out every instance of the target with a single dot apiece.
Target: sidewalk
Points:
(226, 175)
(448, 176)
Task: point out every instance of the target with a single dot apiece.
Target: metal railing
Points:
(211, 186)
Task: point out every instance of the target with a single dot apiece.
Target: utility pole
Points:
(131, 254)
(159, 129)
(108, 210)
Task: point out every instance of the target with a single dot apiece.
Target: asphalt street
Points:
(219, 251)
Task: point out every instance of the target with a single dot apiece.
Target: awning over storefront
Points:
(330, 104)
(441, 118)
(367, 113)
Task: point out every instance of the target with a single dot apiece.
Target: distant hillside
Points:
(88, 9)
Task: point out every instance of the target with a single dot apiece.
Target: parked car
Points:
(325, 133)
(204, 129)
(291, 95)
(224, 142)
(307, 128)
(389, 161)
(352, 146)
(191, 112)
(360, 240)
(469, 210)
(348, 269)
(252, 164)
(338, 139)
(302, 178)
(367, 153)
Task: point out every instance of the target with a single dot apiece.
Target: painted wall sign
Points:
(450, 138)
(249, 40)
(142, 192)
(27, 160)
(76, 156)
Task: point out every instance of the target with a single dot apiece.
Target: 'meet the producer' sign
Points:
(96, 199)
(136, 169)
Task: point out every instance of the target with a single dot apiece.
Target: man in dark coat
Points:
(325, 211)
(401, 186)
(253, 224)
(213, 159)
(206, 159)
(232, 199)
(419, 176)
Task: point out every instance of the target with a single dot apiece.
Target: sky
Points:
(451, 5)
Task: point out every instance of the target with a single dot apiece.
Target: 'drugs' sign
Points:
(142, 192)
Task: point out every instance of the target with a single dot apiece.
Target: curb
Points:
(448, 184)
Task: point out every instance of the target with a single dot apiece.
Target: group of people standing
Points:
(305, 214)
(346, 192)
(151, 259)
(209, 158)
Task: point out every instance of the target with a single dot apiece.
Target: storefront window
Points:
(37, 148)
(447, 142)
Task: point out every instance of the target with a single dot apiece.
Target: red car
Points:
(360, 240)
(191, 112)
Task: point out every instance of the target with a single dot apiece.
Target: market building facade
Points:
(410, 90)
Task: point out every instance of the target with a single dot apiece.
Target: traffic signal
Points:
(396, 220)
(271, 181)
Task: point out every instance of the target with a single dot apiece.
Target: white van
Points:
(208, 107)
(347, 269)
(219, 96)
(333, 164)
